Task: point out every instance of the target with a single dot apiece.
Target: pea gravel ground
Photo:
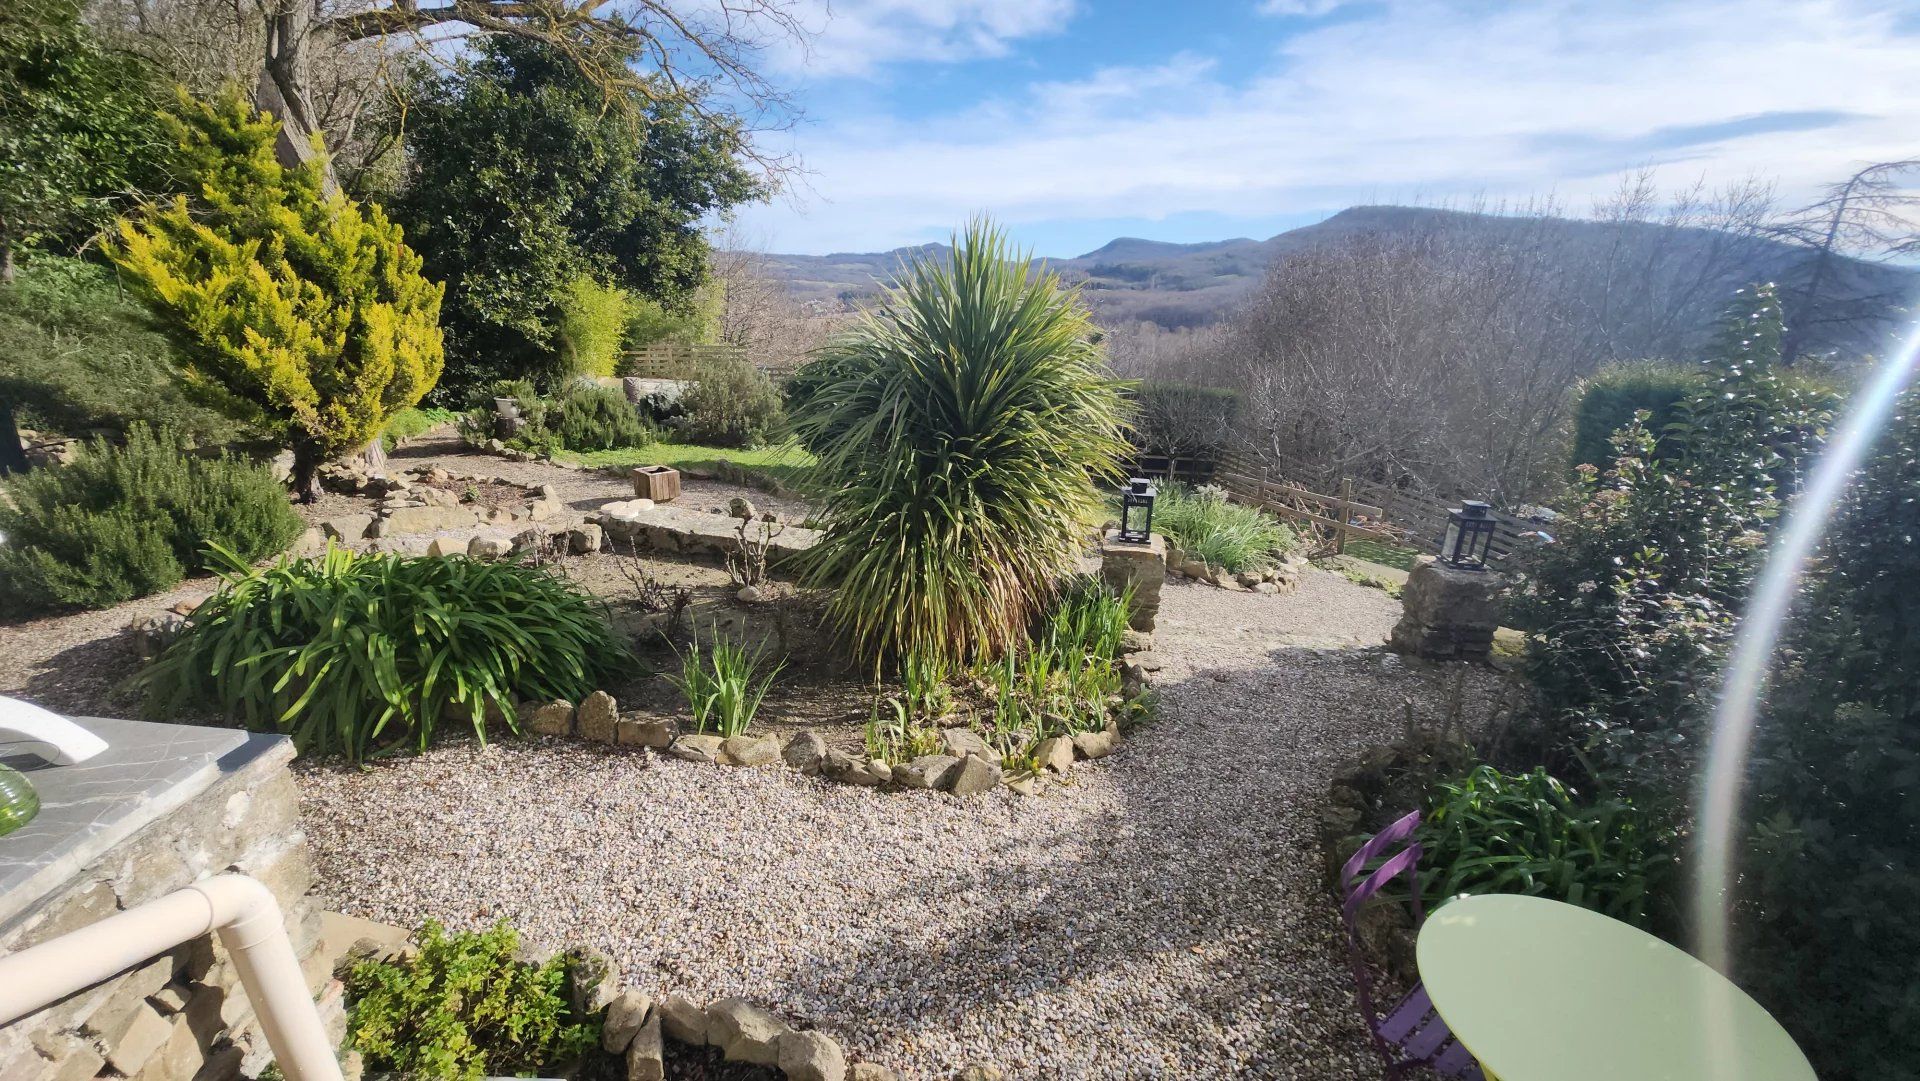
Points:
(1158, 915)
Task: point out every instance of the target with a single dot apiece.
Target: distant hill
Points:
(1190, 285)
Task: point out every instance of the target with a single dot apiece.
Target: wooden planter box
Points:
(659, 483)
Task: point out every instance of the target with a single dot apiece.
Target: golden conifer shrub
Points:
(298, 309)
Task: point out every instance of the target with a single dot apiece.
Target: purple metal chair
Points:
(1411, 1036)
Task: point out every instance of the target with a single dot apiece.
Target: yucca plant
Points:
(359, 653)
(961, 432)
(724, 684)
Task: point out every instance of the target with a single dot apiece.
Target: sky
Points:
(1073, 122)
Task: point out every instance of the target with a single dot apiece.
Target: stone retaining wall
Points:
(182, 1015)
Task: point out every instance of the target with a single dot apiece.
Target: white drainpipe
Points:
(250, 925)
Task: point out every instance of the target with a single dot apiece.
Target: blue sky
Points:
(1075, 121)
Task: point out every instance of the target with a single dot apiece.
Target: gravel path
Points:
(1159, 915)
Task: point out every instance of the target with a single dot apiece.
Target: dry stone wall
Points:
(182, 1016)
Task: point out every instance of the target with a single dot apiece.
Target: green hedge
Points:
(1609, 400)
(123, 522)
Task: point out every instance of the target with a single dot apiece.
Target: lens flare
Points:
(1753, 647)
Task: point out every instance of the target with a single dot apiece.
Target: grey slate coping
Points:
(147, 771)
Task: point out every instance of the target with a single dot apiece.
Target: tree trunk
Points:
(305, 476)
(13, 459)
(6, 261)
(282, 89)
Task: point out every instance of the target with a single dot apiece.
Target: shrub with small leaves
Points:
(461, 1007)
(123, 522)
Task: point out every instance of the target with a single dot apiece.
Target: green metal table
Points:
(1538, 990)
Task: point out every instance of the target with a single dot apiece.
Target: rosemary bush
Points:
(123, 522)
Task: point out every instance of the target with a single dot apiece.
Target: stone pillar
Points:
(1142, 566)
(1449, 613)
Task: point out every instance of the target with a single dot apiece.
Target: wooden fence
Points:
(678, 360)
(1374, 511)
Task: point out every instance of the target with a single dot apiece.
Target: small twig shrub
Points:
(748, 565)
(355, 653)
(724, 684)
(1206, 525)
(123, 522)
(463, 1007)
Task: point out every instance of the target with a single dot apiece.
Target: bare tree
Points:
(697, 55)
(1443, 355)
(1871, 214)
(758, 311)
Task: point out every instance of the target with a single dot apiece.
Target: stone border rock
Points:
(1357, 799)
(414, 502)
(637, 1026)
(1282, 577)
(964, 766)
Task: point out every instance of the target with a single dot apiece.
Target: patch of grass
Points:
(410, 422)
(790, 465)
(1205, 525)
(1387, 555)
(1360, 576)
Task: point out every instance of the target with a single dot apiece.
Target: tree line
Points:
(1442, 351)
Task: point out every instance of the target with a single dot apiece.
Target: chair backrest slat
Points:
(1379, 843)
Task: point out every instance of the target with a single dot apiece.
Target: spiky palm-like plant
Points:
(960, 438)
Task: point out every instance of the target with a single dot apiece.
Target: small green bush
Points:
(592, 417)
(461, 1007)
(358, 653)
(1609, 400)
(724, 685)
(123, 522)
(730, 404)
(1494, 832)
(1205, 525)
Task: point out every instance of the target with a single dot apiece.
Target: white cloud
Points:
(1308, 8)
(1418, 99)
(854, 37)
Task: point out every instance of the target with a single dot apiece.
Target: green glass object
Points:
(18, 801)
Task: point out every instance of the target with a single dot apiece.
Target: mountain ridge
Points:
(1185, 285)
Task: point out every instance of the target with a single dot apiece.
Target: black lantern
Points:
(1136, 510)
(1469, 539)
